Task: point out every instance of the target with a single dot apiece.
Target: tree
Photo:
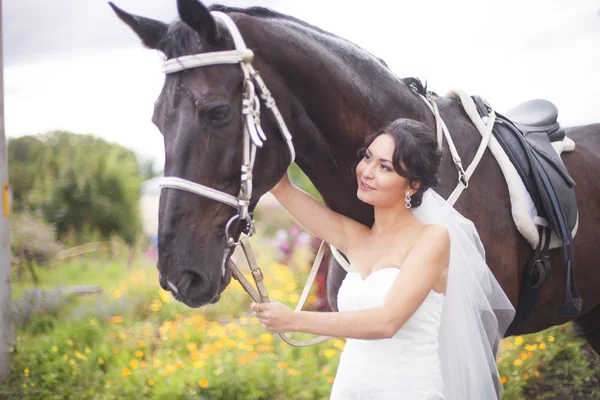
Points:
(81, 183)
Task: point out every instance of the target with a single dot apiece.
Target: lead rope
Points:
(260, 294)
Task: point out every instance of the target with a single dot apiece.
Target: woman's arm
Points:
(421, 270)
(336, 229)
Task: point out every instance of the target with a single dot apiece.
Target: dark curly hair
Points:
(416, 148)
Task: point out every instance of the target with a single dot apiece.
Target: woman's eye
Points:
(385, 168)
(367, 157)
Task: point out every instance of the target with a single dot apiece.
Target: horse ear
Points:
(149, 30)
(196, 16)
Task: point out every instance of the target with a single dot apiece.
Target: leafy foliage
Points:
(81, 183)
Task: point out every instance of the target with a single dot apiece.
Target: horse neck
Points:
(332, 95)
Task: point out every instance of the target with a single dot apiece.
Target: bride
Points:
(421, 311)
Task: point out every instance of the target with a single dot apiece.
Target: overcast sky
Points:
(72, 65)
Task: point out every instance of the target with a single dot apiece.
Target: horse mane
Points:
(182, 40)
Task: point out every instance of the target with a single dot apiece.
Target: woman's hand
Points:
(283, 183)
(274, 316)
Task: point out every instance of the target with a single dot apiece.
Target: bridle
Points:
(254, 138)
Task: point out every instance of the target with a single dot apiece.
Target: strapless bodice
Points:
(404, 366)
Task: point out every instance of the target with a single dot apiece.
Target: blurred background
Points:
(84, 158)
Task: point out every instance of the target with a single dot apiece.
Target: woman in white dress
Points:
(420, 310)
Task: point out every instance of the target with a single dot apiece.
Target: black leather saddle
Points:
(525, 133)
(537, 116)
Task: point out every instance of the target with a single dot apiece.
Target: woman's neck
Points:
(391, 219)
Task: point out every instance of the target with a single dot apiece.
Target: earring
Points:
(407, 200)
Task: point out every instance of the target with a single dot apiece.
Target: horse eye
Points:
(219, 113)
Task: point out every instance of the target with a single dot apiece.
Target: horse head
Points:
(199, 113)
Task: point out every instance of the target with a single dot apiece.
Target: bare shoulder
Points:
(434, 240)
(435, 232)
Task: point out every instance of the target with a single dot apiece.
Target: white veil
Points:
(476, 311)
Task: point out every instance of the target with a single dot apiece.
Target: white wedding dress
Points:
(406, 366)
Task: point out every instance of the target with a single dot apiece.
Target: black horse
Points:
(331, 94)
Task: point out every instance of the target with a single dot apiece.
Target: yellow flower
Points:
(192, 347)
(329, 353)
(266, 338)
(101, 361)
(126, 371)
(54, 349)
(199, 364)
(87, 350)
(80, 356)
(93, 322)
(503, 379)
(26, 371)
(330, 379)
(542, 346)
(72, 362)
(186, 335)
(164, 295)
(519, 340)
(123, 335)
(339, 344)
(117, 319)
(117, 293)
(531, 347)
(138, 353)
(70, 342)
(294, 298)
(115, 351)
(65, 357)
(203, 383)
(169, 370)
(134, 364)
(150, 382)
(517, 362)
(551, 338)
(282, 365)
(179, 364)
(292, 371)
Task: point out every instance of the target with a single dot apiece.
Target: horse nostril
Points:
(190, 281)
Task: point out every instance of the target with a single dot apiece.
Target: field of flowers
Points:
(133, 341)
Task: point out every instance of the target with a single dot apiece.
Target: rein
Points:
(254, 138)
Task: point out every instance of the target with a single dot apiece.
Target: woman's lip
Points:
(364, 186)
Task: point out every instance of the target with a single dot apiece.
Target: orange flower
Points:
(117, 319)
(126, 371)
(139, 353)
(150, 382)
(203, 383)
(330, 379)
(503, 380)
(282, 365)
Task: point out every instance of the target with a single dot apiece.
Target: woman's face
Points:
(378, 182)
